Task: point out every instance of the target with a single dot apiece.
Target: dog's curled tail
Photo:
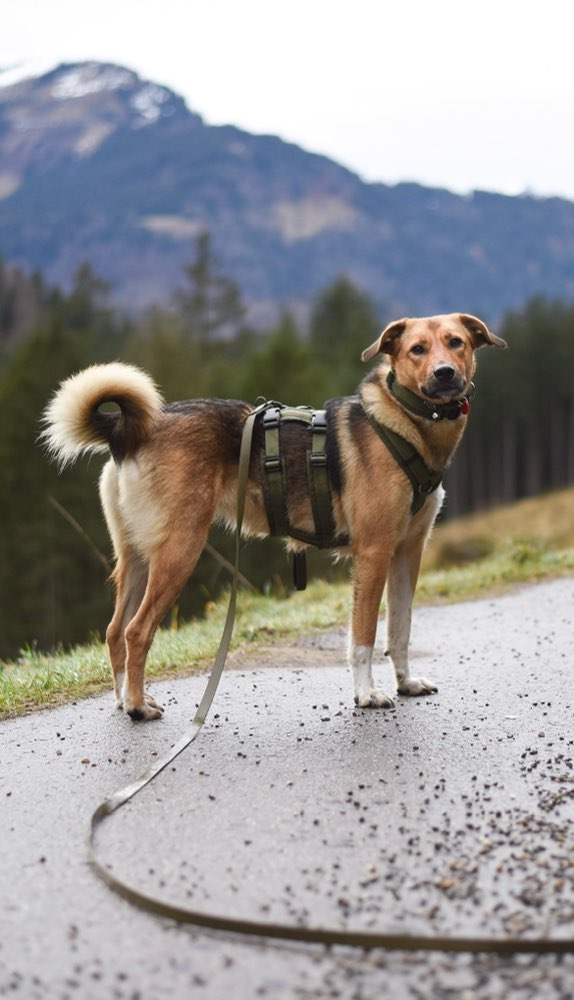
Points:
(74, 422)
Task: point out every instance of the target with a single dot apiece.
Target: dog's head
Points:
(434, 355)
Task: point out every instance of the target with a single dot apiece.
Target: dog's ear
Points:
(480, 333)
(384, 344)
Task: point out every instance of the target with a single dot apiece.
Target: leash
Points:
(256, 928)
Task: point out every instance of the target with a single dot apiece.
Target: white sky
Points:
(444, 92)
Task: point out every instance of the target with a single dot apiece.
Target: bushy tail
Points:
(74, 422)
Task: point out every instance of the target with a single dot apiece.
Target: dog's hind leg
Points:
(170, 568)
(130, 577)
(369, 577)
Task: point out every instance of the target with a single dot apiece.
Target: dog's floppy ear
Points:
(384, 343)
(481, 335)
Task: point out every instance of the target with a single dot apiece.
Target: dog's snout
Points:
(444, 373)
(446, 381)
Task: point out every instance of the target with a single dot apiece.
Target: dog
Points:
(173, 471)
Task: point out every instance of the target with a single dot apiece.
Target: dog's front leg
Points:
(369, 576)
(403, 574)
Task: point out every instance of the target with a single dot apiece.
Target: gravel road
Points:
(448, 814)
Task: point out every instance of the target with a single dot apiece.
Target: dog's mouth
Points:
(444, 383)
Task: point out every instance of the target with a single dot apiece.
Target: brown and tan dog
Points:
(174, 469)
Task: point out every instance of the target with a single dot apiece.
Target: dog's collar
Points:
(425, 408)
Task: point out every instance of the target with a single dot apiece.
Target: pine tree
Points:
(520, 438)
(51, 583)
(343, 322)
(210, 305)
(283, 368)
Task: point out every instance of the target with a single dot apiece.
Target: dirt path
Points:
(449, 814)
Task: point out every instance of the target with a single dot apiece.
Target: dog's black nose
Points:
(444, 373)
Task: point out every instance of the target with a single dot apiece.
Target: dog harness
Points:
(424, 480)
(325, 534)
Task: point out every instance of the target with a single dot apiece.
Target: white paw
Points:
(417, 685)
(374, 698)
(150, 709)
(119, 682)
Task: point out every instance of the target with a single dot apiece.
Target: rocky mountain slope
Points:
(99, 165)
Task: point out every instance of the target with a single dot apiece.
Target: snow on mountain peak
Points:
(90, 78)
(148, 101)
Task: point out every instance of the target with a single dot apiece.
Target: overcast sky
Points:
(443, 92)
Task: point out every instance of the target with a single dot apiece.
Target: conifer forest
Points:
(54, 550)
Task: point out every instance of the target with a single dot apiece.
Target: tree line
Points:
(53, 542)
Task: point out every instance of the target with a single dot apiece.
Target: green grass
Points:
(471, 557)
(39, 680)
(511, 564)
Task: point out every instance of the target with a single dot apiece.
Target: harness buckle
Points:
(272, 463)
(271, 418)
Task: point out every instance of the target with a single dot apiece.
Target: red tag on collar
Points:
(464, 407)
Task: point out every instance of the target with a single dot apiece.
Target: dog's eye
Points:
(455, 342)
(417, 349)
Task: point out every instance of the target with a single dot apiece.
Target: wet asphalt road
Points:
(448, 814)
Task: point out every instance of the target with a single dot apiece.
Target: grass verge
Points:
(39, 680)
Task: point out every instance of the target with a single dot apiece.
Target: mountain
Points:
(99, 165)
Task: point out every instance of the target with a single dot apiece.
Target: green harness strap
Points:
(273, 467)
(319, 486)
(274, 477)
(424, 480)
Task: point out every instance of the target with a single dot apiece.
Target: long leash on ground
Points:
(310, 935)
